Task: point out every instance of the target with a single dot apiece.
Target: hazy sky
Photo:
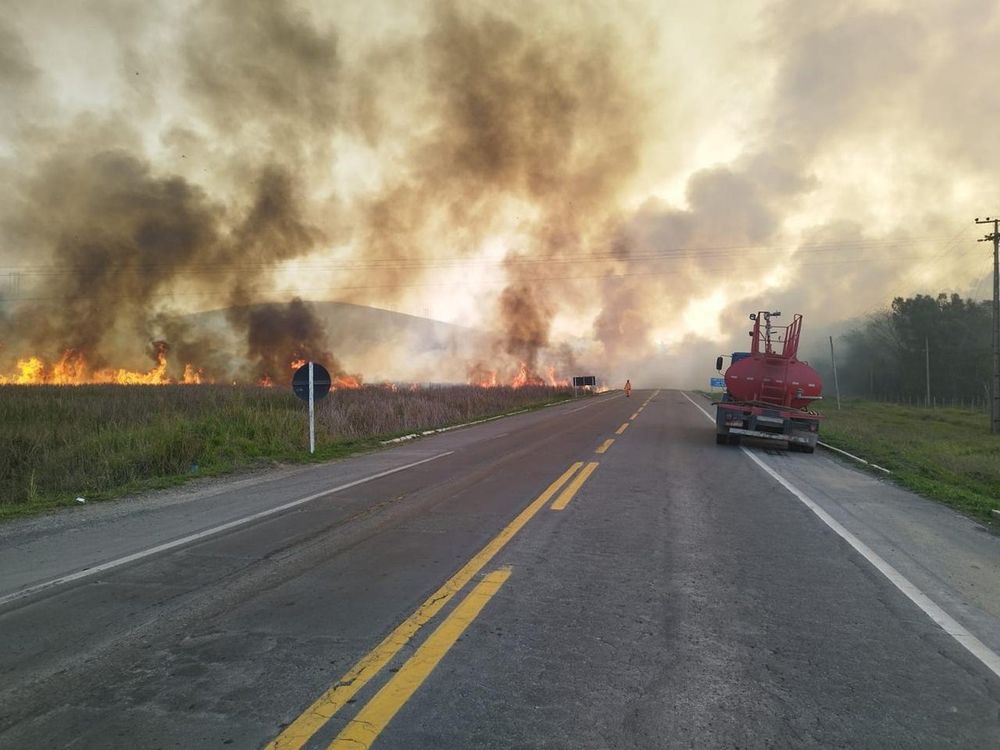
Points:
(631, 178)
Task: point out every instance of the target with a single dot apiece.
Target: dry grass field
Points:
(100, 441)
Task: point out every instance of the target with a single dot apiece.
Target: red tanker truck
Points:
(768, 390)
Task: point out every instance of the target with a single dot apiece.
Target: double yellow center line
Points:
(567, 494)
(603, 448)
(298, 733)
(364, 728)
(379, 711)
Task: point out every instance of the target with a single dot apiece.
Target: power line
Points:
(534, 280)
(402, 264)
(964, 229)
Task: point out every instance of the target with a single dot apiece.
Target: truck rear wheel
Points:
(734, 439)
(720, 438)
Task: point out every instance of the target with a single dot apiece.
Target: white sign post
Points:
(312, 411)
(311, 382)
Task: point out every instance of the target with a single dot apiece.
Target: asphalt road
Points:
(683, 594)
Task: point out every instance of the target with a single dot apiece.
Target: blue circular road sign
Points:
(321, 382)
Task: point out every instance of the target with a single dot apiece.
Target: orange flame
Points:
(522, 376)
(346, 381)
(479, 374)
(31, 370)
(483, 377)
(156, 376)
(488, 380)
(554, 380)
(72, 369)
(192, 376)
(525, 377)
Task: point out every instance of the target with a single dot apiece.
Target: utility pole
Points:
(995, 395)
(927, 368)
(836, 383)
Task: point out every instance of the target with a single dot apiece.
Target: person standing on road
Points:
(628, 388)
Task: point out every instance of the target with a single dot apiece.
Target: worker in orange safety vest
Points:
(628, 388)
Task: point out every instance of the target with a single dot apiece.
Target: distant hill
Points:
(379, 344)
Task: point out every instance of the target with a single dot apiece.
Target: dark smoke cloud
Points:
(273, 230)
(17, 72)
(526, 319)
(520, 117)
(116, 234)
(220, 155)
(264, 73)
(280, 334)
(122, 236)
(551, 121)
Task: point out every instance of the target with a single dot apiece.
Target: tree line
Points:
(886, 356)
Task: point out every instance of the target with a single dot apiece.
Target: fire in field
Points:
(498, 196)
(72, 369)
(182, 188)
(223, 184)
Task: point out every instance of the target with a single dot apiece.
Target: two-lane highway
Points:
(598, 574)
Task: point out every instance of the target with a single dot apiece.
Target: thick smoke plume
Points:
(278, 335)
(533, 135)
(604, 190)
(125, 239)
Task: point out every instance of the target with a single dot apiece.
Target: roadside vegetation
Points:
(102, 441)
(888, 355)
(947, 454)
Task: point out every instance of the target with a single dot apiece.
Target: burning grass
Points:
(101, 441)
(73, 369)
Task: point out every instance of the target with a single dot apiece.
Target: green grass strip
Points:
(942, 453)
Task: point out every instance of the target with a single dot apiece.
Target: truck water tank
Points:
(776, 380)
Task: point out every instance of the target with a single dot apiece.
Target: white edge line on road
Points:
(856, 458)
(698, 407)
(945, 621)
(205, 533)
(591, 403)
(425, 433)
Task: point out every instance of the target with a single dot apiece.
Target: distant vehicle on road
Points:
(768, 390)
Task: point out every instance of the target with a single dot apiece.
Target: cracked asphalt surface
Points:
(682, 599)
